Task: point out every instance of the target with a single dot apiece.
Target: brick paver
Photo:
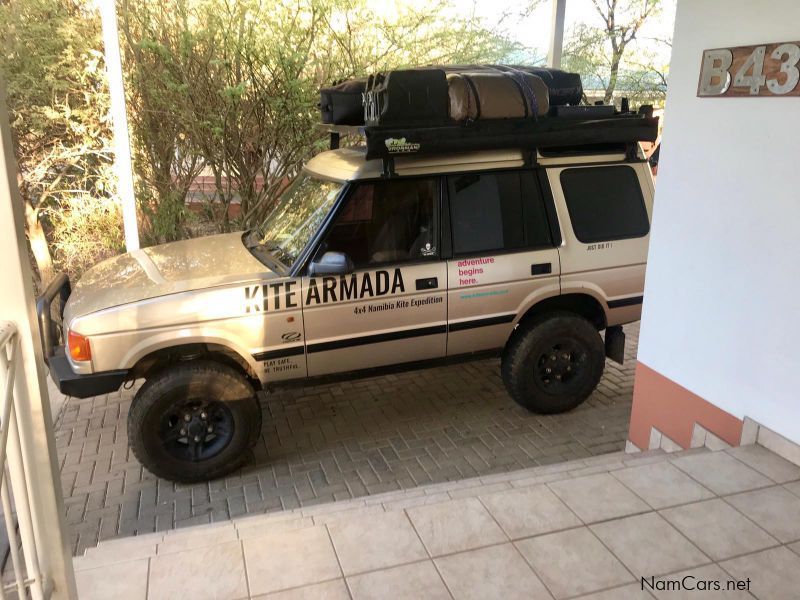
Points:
(332, 442)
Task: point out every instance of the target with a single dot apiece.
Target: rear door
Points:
(504, 258)
(605, 213)
(393, 308)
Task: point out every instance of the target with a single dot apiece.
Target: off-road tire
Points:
(533, 345)
(183, 388)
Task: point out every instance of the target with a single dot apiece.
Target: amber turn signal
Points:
(78, 346)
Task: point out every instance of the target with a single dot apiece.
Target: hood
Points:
(166, 269)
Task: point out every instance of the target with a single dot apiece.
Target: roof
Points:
(348, 164)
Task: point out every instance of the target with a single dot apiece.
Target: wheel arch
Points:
(585, 305)
(158, 359)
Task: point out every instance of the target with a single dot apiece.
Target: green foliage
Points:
(609, 57)
(85, 230)
(231, 87)
(226, 88)
(54, 74)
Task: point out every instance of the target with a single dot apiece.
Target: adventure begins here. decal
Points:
(321, 290)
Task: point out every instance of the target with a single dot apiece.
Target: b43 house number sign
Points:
(766, 70)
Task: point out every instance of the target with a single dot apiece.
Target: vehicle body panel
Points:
(385, 320)
(187, 265)
(611, 272)
(214, 291)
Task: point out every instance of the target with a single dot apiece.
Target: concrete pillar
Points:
(119, 118)
(37, 440)
(556, 34)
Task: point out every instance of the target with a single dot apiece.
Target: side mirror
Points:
(331, 263)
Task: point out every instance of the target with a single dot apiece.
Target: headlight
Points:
(78, 346)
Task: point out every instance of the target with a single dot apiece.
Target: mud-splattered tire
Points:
(195, 421)
(553, 363)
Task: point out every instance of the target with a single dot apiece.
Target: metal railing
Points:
(28, 580)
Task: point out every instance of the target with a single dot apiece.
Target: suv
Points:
(528, 256)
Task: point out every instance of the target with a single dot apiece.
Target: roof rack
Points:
(564, 127)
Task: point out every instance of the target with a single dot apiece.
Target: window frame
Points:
(542, 194)
(339, 208)
(616, 167)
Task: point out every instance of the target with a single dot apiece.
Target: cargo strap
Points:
(528, 95)
(473, 92)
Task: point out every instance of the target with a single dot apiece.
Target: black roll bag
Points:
(343, 103)
(425, 95)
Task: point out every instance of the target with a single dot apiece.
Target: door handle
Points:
(541, 269)
(428, 284)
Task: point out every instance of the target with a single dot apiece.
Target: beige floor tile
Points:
(721, 473)
(330, 590)
(265, 528)
(573, 562)
(195, 539)
(774, 574)
(102, 558)
(209, 572)
(529, 511)
(407, 582)
(648, 545)
(288, 559)
(775, 509)
(718, 529)
(795, 547)
(662, 485)
(794, 487)
(598, 497)
(455, 526)
(767, 463)
(121, 581)
(375, 542)
(493, 572)
(691, 585)
(626, 592)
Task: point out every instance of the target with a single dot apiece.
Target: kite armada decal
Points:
(322, 290)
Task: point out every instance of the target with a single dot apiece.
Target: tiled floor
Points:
(652, 523)
(334, 442)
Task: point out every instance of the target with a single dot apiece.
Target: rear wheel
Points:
(554, 363)
(194, 422)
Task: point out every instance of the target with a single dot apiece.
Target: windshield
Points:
(297, 215)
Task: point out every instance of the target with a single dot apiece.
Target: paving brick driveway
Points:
(332, 442)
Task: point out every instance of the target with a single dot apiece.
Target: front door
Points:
(392, 309)
(504, 259)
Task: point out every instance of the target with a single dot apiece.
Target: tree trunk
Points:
(38, 243)
(612, 79)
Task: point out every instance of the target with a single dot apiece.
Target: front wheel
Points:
(554, 363)
(194, 422)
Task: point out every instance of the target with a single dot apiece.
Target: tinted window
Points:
(605, 203)
(388, 221)
(496, 211)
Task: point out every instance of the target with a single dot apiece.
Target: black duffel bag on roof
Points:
(343, 104)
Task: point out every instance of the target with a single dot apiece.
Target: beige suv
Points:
(450, 257)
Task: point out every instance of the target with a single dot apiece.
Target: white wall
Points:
(722, 296)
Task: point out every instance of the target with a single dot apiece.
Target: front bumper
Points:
(83, 386)
(51, 327)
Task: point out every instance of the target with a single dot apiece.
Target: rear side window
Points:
(605, 203)
(495, 212)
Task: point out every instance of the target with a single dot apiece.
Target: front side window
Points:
(605, 203)
(388, 221)
(297, 216)
(496, 211)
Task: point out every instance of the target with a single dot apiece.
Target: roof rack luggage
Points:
(475, 107)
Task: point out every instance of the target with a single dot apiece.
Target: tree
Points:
(599, 53)
(57, 97)
(234, 83)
